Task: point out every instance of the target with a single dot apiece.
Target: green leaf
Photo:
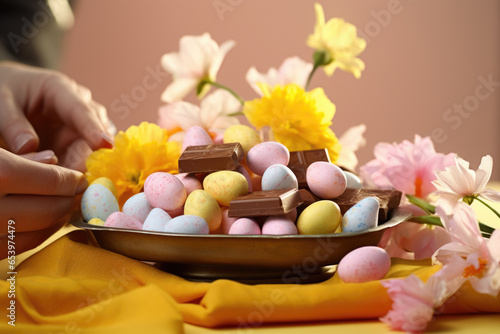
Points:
(422, 204)
(427, 219)
(200, 86)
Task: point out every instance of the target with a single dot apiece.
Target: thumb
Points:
(15, 129)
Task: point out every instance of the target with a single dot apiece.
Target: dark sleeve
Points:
(29, 33)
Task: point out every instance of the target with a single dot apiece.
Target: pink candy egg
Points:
(196, 136)
(156, 220)
(364, 264)
(137, 206)
(279, 177)
(279, 225)
(187, 224)
(121, 220)
(227, 221)
(165, 191)
(245, 226)
(243, 171)
(326, 180)
(190, 182)
(266, 154)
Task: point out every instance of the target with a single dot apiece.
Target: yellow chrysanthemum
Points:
(338, 41)
(138, 152)
(299, 120)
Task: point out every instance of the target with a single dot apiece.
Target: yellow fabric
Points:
(71, 286)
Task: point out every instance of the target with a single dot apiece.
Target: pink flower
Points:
(199, 58)
(456, 182)
(292, 70)
(408, 167)
(473, 257)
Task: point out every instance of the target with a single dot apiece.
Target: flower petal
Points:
(483, 173)
(178, 89)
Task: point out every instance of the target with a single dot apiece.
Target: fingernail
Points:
(21, 141)
(82, 185)
(108, 139)
(44, 156)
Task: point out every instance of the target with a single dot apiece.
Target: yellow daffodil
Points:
(299, 120)
(138, 152)
(337, 44)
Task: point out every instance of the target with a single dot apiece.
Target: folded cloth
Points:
(73, 287)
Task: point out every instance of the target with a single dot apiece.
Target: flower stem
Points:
(489, 207)
(315, 67)
(218, 85)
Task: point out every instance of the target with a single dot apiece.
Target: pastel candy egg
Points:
(137, 206)
(98, 202)
(279, 225)
(266, 154)
(164, 191)
(156, 220)
(219, 138)
(243, 171)
(364, 264)
(353, 181)
(190, 182)
(187, 224)
(242, 134)
(96, 221)
(196, 136)
(200, 203)
(361, 216)
(107, 183)
(279, 177)
(176, 212)
(325, 179)
(225, 186)
(245, 226)
(321, 217)
(121, 220)
(227, 221)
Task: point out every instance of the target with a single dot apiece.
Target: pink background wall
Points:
(421, 60)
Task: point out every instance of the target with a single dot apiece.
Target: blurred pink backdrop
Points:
(425, 60)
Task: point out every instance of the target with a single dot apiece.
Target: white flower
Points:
(458, 181)
(351, 141)
(199, 58)
(212, 114)
(292, 70)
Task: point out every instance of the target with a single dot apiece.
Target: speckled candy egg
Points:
(279, 177)
(98, 202)
(245, 226)
(321, 217)
(325, 180)
(242, 134)
(364, 264)
(353, 181)
(279, 225)
(190, 182)
(187, 224)
(196, 136)
(96, 221)
(156, 220)
(266, 154)
(225, 186)
(200, 203)
(121, 220)
(108, 184)
(164, 191)
(361, 216)
(137, 206)
(227, 221)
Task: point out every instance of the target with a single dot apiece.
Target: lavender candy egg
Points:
(156, 220)
(137, 206)
(266, 154)
(196, 136)
(245, 226)
(165, 191)
(361, 216)
(279, 177)
(190, 182)
(121, 220)
(364, 264)
(187, 224)
(326, 180)
(279, 225)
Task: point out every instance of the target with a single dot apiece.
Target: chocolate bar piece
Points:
(265, 203)
(300, 160)
(388, 199)
(210, 158)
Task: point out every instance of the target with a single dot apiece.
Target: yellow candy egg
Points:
(321, 217)
(242, 134)
(96, 221)
(225, 186)
(104, 181)
(200, 203)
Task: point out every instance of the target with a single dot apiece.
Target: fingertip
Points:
(108, 141)
(82, 185)
(25, 143)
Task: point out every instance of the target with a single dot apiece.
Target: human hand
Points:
(45, 110)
